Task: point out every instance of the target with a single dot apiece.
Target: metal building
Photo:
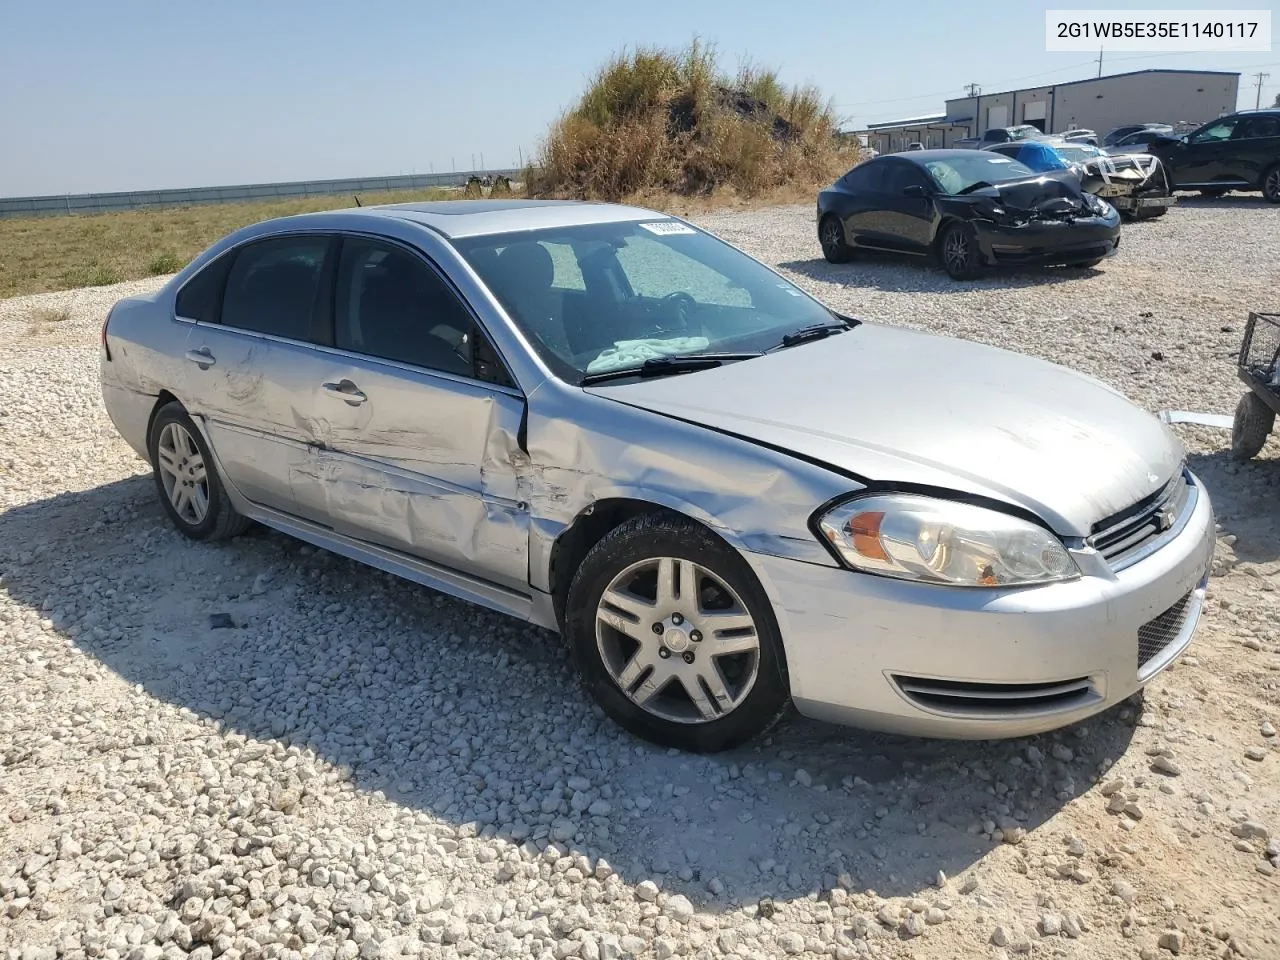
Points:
(1186, 97)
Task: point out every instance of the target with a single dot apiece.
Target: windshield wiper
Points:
(819, 331)
(664, 366)
(972, 187)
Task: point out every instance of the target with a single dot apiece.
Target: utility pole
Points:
(1262, 77)
(974, 90)
(520, 154)
(1099, 61)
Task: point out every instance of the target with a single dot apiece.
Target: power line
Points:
(1258, 100)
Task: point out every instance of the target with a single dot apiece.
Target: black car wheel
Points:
(835, 247)
(1251, 427)
(959, 252)
(1271, 184)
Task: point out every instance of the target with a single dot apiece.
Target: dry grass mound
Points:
(671, 121)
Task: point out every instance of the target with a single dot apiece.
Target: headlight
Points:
(1097, 205)
(920, 538)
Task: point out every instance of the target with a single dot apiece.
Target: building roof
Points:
(908, 121)
(1109, 76)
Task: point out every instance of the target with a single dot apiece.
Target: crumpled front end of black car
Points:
(1046, 220)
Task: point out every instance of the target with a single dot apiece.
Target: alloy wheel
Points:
(957, 251)
(182, 470)
(831, 235)
(677, 640)
(1271, 186)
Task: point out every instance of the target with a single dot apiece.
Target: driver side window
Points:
(656, 270)
(1216, 132)
(393, 306)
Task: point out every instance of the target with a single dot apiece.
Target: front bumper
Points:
(1131, 203)
(1049, 242)
(976, 664)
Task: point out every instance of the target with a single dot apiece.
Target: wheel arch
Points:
(595, 521)
(163, 399)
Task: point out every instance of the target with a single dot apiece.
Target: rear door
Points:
(906, 222)
(256, 315)
(862, 205)
(417, 421)
(1255, 147)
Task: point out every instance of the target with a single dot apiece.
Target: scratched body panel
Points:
(426, 464)
(250, 400)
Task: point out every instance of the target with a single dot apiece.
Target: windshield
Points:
(596, 298)
(1077, 152)
(957, 174)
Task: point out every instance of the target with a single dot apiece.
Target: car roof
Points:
(923, 156)
(473, 218)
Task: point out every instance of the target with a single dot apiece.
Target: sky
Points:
(100, 95)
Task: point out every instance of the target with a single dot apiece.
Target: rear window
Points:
(201, 298)
(272, 286)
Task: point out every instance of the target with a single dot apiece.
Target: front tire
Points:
(835, 245)
(1271, 184)
(958, 250)
(674, 637)
(186, 479)
(1251, 427)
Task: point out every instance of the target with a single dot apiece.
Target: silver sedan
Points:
(726, 496)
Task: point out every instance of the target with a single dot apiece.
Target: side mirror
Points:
(915, 190)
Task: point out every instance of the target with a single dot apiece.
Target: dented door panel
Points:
(247, 400)
(426, 464)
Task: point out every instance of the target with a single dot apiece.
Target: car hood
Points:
(895, 406)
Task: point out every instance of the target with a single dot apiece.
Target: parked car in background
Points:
(1114, 137)
(1137, 141)
(1240, 151)
(555, 410)
(1079, 135)
(969, 209)
(996, 135)
(1135, 184)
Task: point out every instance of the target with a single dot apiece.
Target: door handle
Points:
(348, 391)
(201, 357)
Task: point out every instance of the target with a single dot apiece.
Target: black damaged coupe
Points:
(968, 209)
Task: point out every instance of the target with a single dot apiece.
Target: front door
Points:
(419, 454)
(1205, 157)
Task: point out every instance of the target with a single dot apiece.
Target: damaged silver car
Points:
(727, 497)
(1135, 183)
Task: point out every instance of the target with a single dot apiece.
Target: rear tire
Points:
(187, 482)
(1251, 427)
(651, 681)
(958, 250)
(835, 245)
(1271, 184)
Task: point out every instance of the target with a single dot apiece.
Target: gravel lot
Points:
(358, 767)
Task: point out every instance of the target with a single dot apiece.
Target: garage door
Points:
(1035, 110)
(997, 117)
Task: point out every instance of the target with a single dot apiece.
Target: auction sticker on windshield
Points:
(668, 228)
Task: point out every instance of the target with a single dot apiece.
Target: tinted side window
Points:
(1255, 127)
(865, 178)
(273, 285)
(899, 176)
(201, 298)
(393, 306)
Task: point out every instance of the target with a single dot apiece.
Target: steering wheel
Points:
(684, 306)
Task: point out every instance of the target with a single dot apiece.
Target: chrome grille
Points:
(1155, 635)
(1121, 535)
(963, 698)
